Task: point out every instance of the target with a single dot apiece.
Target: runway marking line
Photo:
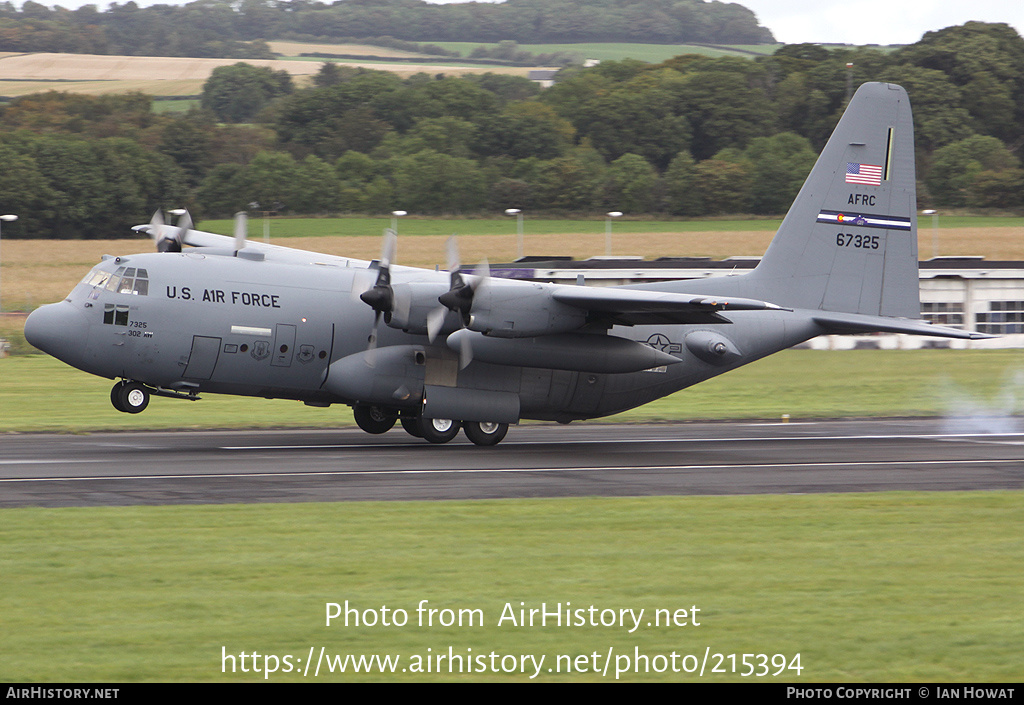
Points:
(343, 473)
(982, 437)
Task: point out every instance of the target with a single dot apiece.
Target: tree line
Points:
(232, 29)
(691, 136)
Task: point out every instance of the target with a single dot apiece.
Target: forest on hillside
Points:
(232, 29)
(691, 136)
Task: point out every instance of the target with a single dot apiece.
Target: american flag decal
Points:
(868, 174)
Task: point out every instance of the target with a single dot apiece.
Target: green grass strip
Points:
(39, 393)
(886, 587)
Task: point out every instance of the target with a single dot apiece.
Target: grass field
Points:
(175, 106)
(22, 74)
(973, 388)
(35, 272)
(888, 587)
(294, 49)
(611, 51)
(608, 51)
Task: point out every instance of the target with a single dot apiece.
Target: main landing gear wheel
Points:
(485, 433)
(374, 419)
(411, 424)
(129, 397)
(437, 430)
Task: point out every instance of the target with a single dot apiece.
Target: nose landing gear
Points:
(129, 397)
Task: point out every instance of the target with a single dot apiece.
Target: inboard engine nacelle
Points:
(505, 309)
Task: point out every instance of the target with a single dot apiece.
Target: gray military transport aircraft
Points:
(464, 350)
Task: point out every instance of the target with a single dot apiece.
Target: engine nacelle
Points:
(578, 352)
(391, 376)
(509, 309)
(413, 304)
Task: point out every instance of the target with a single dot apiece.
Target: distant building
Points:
(545, 77)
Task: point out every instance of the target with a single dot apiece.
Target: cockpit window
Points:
(125, 280)
(96, 278)
(115, 279)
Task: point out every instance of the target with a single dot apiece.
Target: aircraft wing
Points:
(277, 253)
(634, 307)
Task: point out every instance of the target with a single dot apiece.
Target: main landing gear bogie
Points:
(374, 419)
(129, 397)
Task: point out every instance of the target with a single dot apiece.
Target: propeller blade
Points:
(184, 224)
(481, 275)
(362, 280)
(371, 342)
(465, 352)
(241, 230)
(389, 248)
(435, 322)
(156, 226)
(165, 238)
(452, 251)
(483, 270)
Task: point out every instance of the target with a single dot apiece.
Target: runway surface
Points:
(189, 467)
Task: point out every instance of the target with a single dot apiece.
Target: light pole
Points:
(395, 215)
(255, 205)
(608, 230)
(518, 213)
(935, 230)
(7, 218)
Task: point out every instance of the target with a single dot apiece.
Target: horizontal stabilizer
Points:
(856, 323)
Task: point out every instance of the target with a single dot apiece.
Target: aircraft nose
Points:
(58, 329)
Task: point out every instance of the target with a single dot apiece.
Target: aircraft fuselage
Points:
(232, 325)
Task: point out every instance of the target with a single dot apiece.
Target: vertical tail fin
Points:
(849, 242)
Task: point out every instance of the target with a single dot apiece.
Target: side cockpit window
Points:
(125, 280)
(115, 315)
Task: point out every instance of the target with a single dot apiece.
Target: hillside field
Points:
(23, 74)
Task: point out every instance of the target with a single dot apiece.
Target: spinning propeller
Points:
(380, 297)
(458, 299)
(168, 238)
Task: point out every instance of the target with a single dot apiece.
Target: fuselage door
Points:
(284, 344)
(203, 358)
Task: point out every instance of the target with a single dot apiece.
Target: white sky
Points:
(876, 21)
(839, 21)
